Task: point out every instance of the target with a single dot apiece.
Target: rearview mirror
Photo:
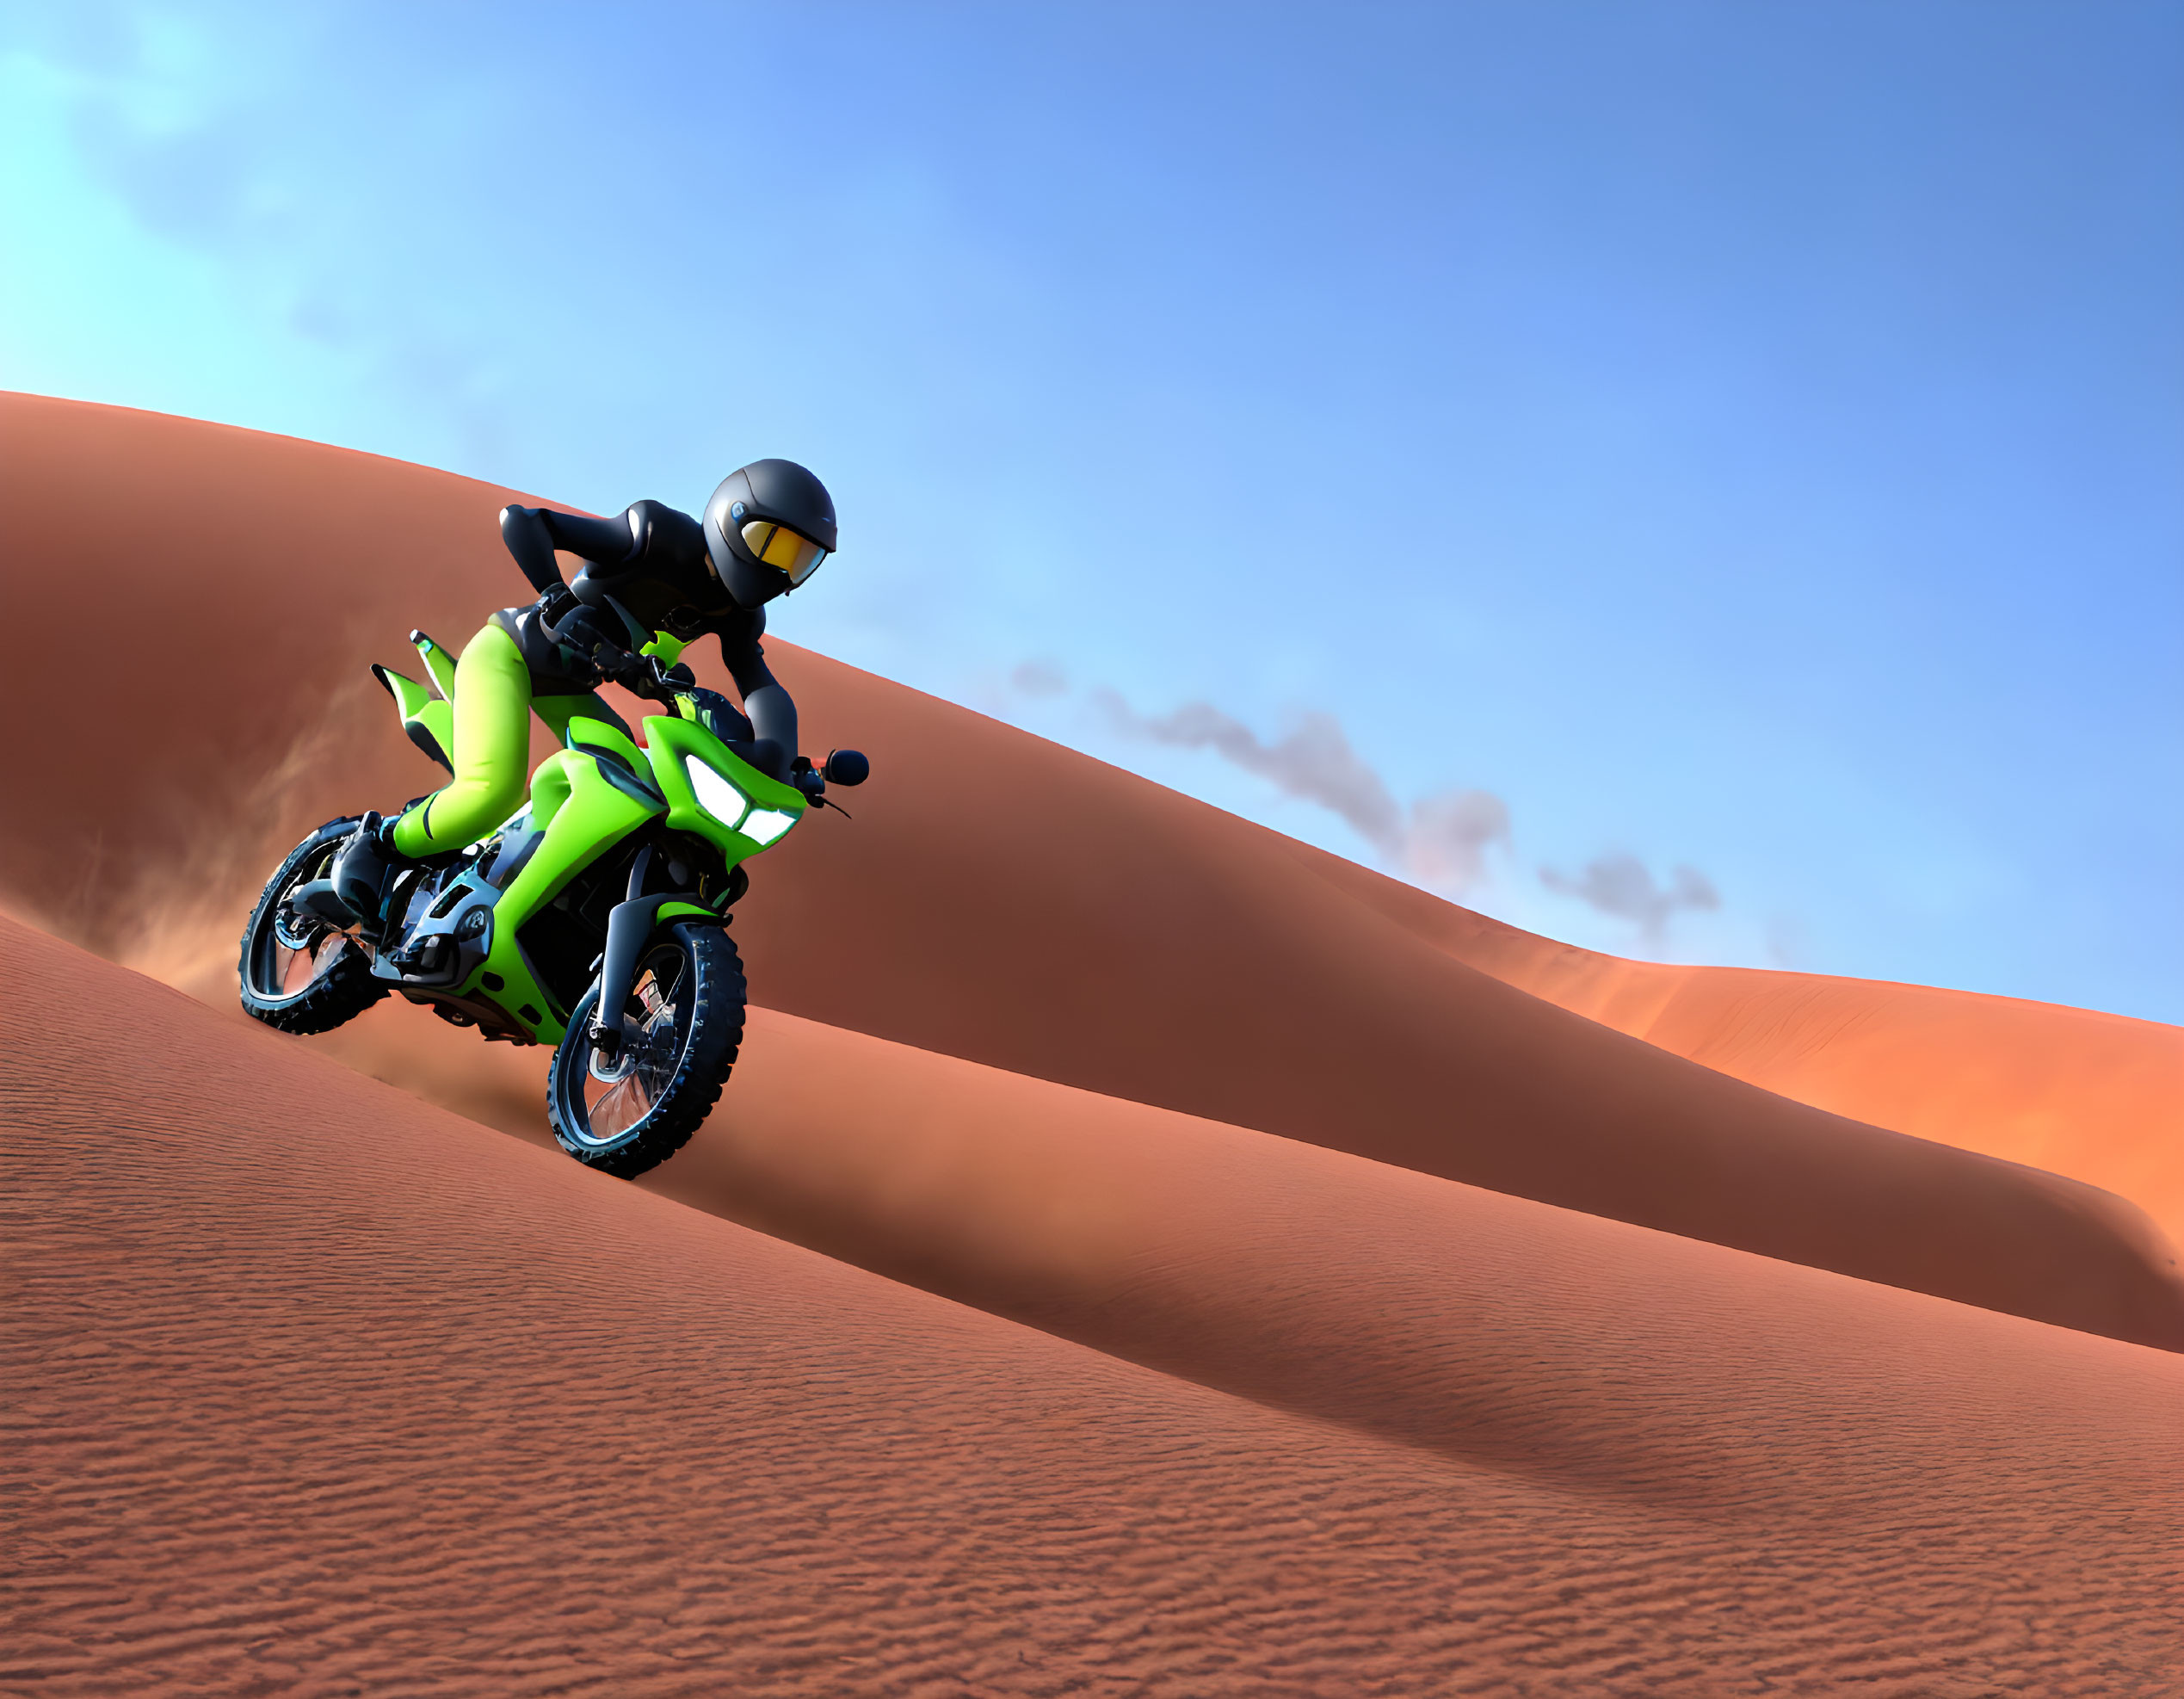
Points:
(846, 767)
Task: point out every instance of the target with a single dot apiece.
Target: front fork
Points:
(630, 923)
(628, 926)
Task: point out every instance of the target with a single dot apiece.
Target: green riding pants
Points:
(492, 703)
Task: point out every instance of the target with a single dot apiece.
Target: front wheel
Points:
(684, 1022)
(298, 972)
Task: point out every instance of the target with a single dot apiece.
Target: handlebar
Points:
(647, 676)
(579, 628)
(843, 767)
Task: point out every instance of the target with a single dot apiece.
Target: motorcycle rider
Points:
(651, 581)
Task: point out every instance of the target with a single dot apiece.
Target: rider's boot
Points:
(368, 861)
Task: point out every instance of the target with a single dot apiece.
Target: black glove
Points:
(583, 631)
(645, 675)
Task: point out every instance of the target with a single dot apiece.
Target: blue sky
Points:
(1534, 447)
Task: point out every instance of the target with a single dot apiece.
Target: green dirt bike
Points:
(608, 890)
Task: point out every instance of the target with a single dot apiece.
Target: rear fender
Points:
(439, 665)
(427, 720)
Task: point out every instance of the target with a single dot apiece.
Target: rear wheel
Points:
(298, 973)
(683, 1025)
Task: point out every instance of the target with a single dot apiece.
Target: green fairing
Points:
(581, 814)
(600, 734)
(556, 711)
(669, 742)
(519, 990)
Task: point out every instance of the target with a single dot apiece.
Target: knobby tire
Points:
(708, 1053)
(339, 994)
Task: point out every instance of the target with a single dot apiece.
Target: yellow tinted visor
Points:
(778, 546)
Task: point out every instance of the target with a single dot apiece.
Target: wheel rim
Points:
(295, 951)
(297, 966)
(615, 1101)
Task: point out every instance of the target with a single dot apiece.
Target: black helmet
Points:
(767, 528)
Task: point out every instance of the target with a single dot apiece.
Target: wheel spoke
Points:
(300, 972)
(293, 968)
(292, 950)
(620, 1107)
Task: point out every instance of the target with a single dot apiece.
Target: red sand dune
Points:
(1089, 928)
(1354, 1295)
(316, 1388)
(2100, 1097)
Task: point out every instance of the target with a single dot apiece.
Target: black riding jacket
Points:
(652, 562)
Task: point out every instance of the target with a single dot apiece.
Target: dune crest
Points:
(2098, 1097)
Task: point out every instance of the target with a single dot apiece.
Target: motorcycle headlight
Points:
(716, 796)
(763, 826)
